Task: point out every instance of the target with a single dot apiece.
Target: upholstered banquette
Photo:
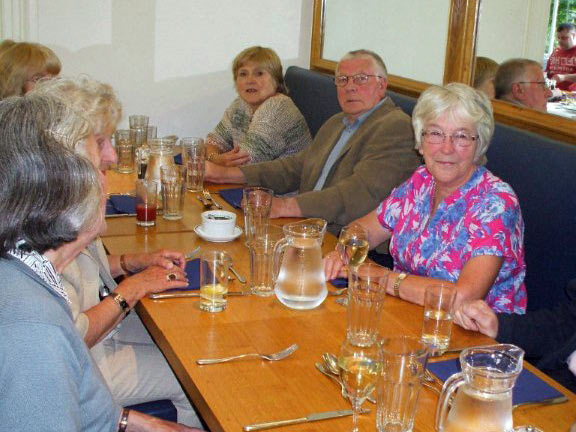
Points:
(541, 171)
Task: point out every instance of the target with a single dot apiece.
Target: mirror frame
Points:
(458, 67)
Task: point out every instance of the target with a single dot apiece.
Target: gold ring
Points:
(170, 277)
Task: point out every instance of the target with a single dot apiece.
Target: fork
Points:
(208, 197)
(271, 357)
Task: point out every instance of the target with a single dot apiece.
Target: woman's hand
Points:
(235, 157)
(477, 316)
(154, 279)
(334, 267)
(164, 258)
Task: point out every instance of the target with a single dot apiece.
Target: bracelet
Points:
(123, 424)
(211, 156)
(123, 266)
(397, 283)
(121, 302)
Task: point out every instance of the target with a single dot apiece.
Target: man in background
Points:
(561, 65)
(521, 82)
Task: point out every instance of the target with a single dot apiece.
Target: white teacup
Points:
(218, 223)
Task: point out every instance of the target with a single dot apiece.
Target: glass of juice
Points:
(146, 201)
(214, 267)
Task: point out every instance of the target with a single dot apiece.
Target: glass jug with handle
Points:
(299, 281)
(483, 402)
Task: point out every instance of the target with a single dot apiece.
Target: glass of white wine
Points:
(359, 371)
(353, 245)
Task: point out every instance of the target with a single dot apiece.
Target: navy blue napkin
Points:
(178, 159)
(340, 282)
(528, 388)
(232, 197)
(120, 204)
(193, 273)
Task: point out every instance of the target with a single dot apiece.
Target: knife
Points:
(169, 295)
(549, 401)
(308, 418)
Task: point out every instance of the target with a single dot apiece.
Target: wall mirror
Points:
(465, 19)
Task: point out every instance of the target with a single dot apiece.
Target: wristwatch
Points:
(121, 302)
(397, 283)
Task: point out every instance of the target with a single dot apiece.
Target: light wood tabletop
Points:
(232, 395)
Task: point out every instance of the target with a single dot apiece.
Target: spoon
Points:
(338, 292)
(330, 363)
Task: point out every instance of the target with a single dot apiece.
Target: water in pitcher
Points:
(300, 283)
(470, 407)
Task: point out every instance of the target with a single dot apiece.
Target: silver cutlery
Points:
(184, 294)
(308, 418)
(204, 202)
(240, 278)
(192, 254)
(270, 357)
(338, 291)
(208, 198)
(549, 401)
(343, 301)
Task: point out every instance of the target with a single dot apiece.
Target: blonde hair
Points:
(94, 100)
(22, 61)
(265, 58)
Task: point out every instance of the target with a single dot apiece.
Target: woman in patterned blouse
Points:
(453, 221)
(262, 123)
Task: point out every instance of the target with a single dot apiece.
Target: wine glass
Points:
(359, 371)
(353, 245)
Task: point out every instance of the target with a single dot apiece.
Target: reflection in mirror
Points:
(413, 45)
(524, 35)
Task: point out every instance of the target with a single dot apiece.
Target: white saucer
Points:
(198, 230)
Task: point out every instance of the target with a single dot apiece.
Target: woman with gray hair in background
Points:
(453, 221)
(130, 362)
(52, 206)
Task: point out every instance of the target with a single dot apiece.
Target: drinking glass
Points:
(125, 151)
(359, 368)
(256, 203)
(146, 202)
(173, 191)
(403, 361)
(366, 294)
(138, 129)
(438, 316)
(193, 157)
(353, 245)
(214, 267)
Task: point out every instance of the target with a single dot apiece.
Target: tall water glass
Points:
(438, 316)
(138, 129)
(214, 267)
(261, 266)
(125, 151)
(194, 156)
(403, 361)
(173, 191)
(366, 294)
(256, 203)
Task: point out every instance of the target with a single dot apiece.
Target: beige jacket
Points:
(378, 157)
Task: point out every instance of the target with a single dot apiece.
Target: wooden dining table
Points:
(231, 395)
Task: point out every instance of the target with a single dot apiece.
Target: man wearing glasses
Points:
(561, 65)
(357, 156)
(522, 82)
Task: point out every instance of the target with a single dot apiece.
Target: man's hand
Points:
(285, 207)
(478, 316)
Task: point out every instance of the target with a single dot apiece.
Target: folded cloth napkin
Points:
(120, 204)
(193, 274)
(232, 197)
(528, 388)
(340, 282)
(178, 159)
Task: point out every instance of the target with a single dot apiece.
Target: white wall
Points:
(410, 36)
(169, 59)
(513, 28)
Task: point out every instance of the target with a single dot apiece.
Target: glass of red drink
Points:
(146, 200)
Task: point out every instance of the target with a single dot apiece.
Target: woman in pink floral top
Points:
(453, 220)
